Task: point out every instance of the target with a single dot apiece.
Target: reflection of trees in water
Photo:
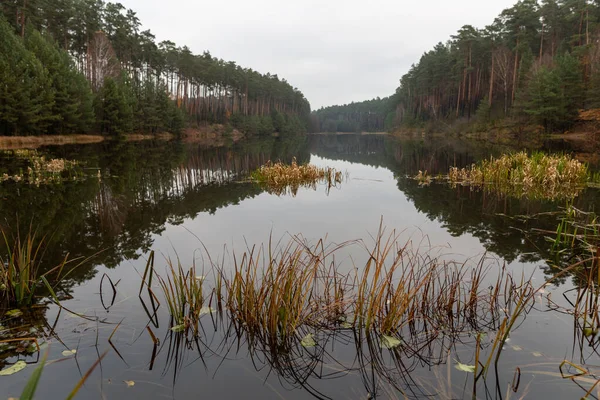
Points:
(498, 222)
(143, 186)
(401, 156)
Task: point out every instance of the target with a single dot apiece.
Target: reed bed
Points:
(281, 178)
(21, 277)
(42, 170)
(537, 175)
(275, 292)
(183, 291)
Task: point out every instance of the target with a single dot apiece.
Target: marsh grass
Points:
(282, 178)
(537, 175)
(42, 170)
(183, 292)
(277, 291)
(21, 277)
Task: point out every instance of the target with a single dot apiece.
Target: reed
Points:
(537, 175)
(274, 292)
(184, 297)
(271, 291)
(21, 275)
(42, 170)
(281, 178)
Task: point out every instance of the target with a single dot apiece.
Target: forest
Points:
(537, 63)
(86, 66)
(375, 115)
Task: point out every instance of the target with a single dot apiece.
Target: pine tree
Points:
(26, 97)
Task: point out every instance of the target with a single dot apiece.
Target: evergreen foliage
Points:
(365, 116)
(77, 66)
(538, 62)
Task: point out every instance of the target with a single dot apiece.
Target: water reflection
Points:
(145, 186)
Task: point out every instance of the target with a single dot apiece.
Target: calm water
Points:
(176, 198)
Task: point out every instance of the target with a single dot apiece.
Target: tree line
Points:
(375, 115)
(77, 66)
(536, 63)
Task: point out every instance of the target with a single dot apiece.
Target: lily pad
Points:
(16, 367)
(464, 367)
(308, 341)
(14, 313)
(178, 328)
(67, 353)
(389, 342)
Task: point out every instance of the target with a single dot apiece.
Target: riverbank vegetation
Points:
(86, 66)
(535, 65)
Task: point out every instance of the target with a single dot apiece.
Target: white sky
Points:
(334, 51)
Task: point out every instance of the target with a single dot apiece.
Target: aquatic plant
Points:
(537, 175)
(274, 292)
(183, 292)
(281, 178)
(42, 170)
(21, 277)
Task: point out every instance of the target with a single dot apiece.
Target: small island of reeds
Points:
(535, 176)
(280, 177)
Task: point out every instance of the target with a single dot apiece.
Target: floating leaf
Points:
(178, 328)
(206, 310)
(346, 325)
(308, 340)
(536, 354)
(16, 367)
(464, 367)
(389, 342)
(14, 313)
(67, 353)
(129, 383)
(516, 348)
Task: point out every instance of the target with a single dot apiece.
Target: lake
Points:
(185, 201)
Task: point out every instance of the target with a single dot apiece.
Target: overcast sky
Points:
(334, 51)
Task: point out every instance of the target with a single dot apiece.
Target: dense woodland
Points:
(367, 116)
(80, 66)
(536, 63)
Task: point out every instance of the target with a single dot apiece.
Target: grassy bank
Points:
(33, 142)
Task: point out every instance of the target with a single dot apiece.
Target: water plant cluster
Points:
(281, 178)
(401, 309)
(42, 170)
(537, 175)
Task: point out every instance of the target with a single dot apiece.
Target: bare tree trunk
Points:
(515, 73)
(23, 18)
(491, 93)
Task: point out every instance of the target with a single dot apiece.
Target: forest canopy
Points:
(81, 66)
(536, 63)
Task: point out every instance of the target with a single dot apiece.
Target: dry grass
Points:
(33, 142)
(281, 178)
(276, 292)
(520, 175)
(42, 170)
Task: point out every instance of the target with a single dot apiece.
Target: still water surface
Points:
(181, 200)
